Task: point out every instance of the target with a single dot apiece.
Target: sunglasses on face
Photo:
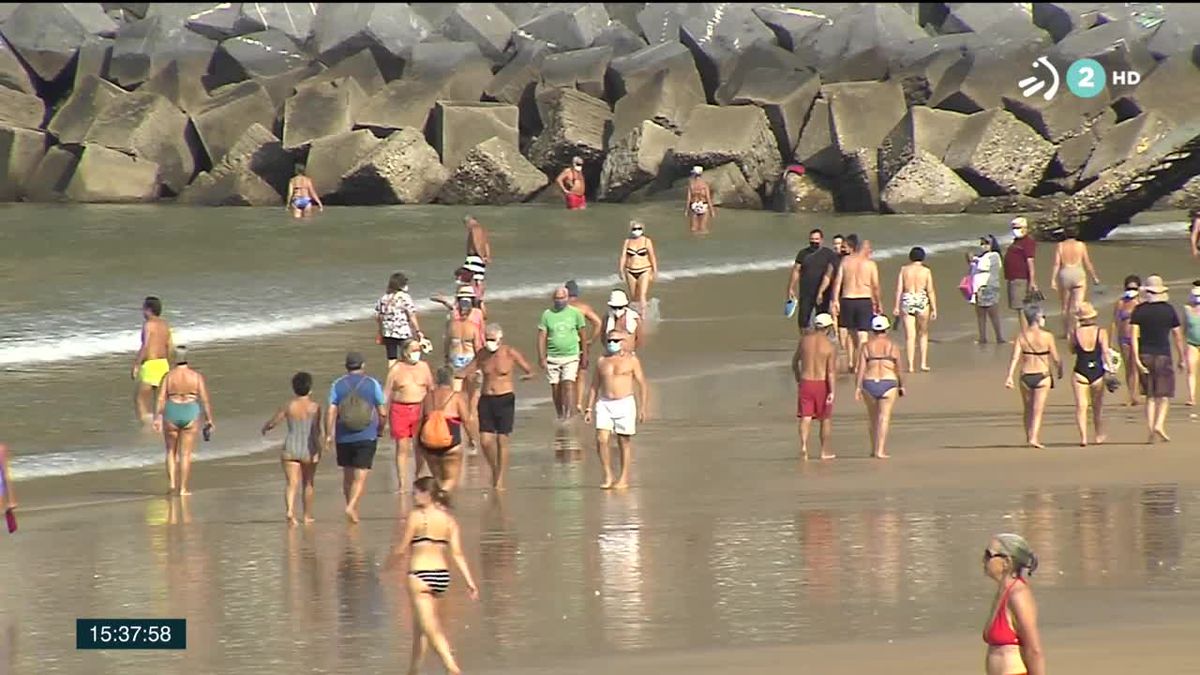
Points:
(988, 554)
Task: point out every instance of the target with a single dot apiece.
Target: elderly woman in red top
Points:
(1011, 632)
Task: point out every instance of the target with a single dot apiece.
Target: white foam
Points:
(1177, 229)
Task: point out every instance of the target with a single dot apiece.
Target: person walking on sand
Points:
(811, 274)
(1035, 353)
(177, 417)
(431, 534)
(356, 416)
(1011, 632)
(1122, 313)
(1067, 276)
(985, 265)
(463, 340)
(302, 446)
(698, 204)
(573, 186)
(1191, 322)
(406, 388)
(1020, 274)
(150, 364)
(562, 350)
(1090, 343)
(302, 194)
(618, 398)
(814, 365)
(879, 378)
(447, 406)
(594, 323)
(856, 293)
(1194, 231)
(916, 304)
(1156, 327)
(638, 264)
(478, 244)
(624, 320)
(396, 316)
(8, 498)
(498, 402)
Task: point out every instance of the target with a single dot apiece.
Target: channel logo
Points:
(1031, 85)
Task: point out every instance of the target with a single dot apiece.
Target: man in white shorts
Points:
(618, 399)
(562, 351)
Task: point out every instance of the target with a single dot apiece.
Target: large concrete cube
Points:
(1124, 142)
(390, 30)
(21, 150)
(224, 119)
(89, 99)
(145, 47)
(20, 109)
(321, 109)
(47, 35)
(922, 129)
(53, 172)
(482, 23)
(925, 185)
(332, 156)
(493, 172)
(740, 134)
(108, 176)
(401, 170)
(460, 126)
(148, 127)
(575, 124)
(999, 154)
(634, 160)
(582, 69)
(12, 73)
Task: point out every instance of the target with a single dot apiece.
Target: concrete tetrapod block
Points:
(816, 150)
(48, 34)
(493, 172)
(230, 187)
(863, 42)
(460, 126)
(740, 134)
(145, 47)
(575, 124)
(263, 54)
(147, 126)
(390, 30)
(281, 87)
(95, 55)
(998, 154)
(20, 152)
(925, 185)
(566, 26)
(921, 130)
(793, 27)
(1123, 142)
(172, 84)
(1060, 118)
(260, 151)
(620, 38)
(223, 120)
(717, 38)
(805, 194)
(730, 189)
(785, 97)
(632, 72)
(634, 160)
(107, 176)
(1164, 93)
(402, 103)
(72, 121)
(20, 109)
(321, 109)
(361, 67)
(12, 74)
(1118, 46)
(51, 176)
(223, 21)
(482, 23)
(332, 156)
(862, 114)
(403, 169)
(458, 69)
(668, 99)
(293, 19)
(583, 69)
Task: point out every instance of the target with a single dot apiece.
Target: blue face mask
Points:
(464, 306)
(613, 346)
(1131, 293)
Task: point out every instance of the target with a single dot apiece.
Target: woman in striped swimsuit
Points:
(428, 533)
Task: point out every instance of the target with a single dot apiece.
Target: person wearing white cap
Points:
(624, 320)
(879, 378)
(617, 398)
(698, 205)
(1191, 322)
(571, 182)
(1067, 276)
(1156, 326)
(638, 263)
(814, 365)
(463, 340)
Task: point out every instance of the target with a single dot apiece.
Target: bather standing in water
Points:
(1072, 267)
(638, 264)
(698, 205)
(302, 194)
(1035, 353)
(181, 398)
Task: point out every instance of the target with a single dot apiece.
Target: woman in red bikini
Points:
(1011, 632)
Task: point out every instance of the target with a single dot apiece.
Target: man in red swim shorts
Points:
(814, 365)
(571, 182)
(409, 381)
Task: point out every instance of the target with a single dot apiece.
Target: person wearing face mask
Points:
(638, 264)
(812, 271)
(1020, 274)
(463, 339)
(698, 204)
(562, 350)
(617, 398)
(407, 387)
(571, 182)
(1122, 313)
(1191, 323)
(985, 283)
(396, 316)
(497, 402)
(622, 319)
(1156, 329)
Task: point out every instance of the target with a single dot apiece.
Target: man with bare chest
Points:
(856, 294)
(408, 384)
(497, 401)
(618, 400)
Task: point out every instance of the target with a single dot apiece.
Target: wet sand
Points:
(727, 555)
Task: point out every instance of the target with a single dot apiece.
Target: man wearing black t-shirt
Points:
(813, 265)
(1155, 326)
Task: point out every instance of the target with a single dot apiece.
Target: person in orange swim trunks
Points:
(814, 364)
(571, 182)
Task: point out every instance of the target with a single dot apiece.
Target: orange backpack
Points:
(435, 431)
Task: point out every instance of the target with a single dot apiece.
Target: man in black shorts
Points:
(812, 266)
(498, 401)
(1155, 327)
(856, 293)
(357, 414)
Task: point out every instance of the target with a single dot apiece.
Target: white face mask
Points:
(1131, 293)
(1017, 234)
(413, 357)
(492, 345)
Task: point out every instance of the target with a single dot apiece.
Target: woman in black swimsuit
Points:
(427, 535)
(638, 265)
(1034, 351)
(1090, 344)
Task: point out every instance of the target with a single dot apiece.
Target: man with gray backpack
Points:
(357, 415)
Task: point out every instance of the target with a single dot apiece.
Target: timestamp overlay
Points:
(130, 633)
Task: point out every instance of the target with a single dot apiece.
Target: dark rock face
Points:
(493, 172)
(48, 34)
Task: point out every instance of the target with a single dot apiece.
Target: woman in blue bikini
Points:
(879, 378)
(177, 416)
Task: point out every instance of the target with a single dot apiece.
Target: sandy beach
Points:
(728, 554)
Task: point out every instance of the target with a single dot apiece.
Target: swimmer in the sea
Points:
(698, 205)
(150, 365)
(182, 397)
(302, 194)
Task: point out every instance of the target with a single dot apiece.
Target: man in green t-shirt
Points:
(562, 350)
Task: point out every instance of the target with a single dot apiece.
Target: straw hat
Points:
(1086, 311)
(1154, 285)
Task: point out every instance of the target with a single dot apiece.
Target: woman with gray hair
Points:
(1035, 353)
(638, 264)
(1011, 632)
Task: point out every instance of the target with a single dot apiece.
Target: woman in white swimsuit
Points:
(698, 205)
(916, 304)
